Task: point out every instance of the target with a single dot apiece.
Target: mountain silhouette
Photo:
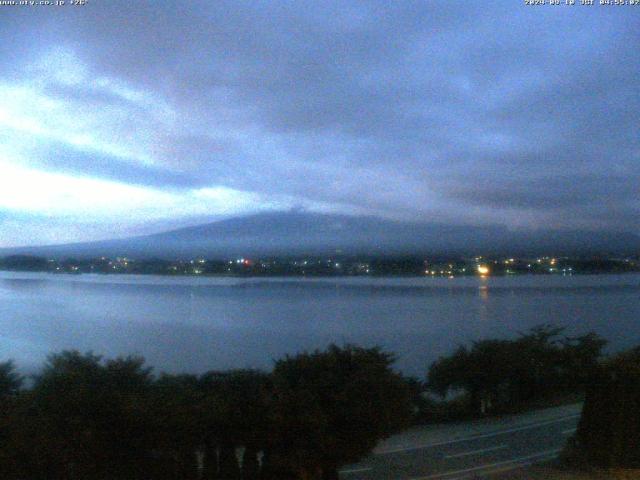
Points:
(297, 233)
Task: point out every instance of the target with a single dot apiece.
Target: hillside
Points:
(294, 233)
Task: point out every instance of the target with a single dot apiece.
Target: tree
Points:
(238, 417)
(331, 408)
(85, 418)
(91, 418)
(608, 433)
(179, 415)
(10, 380)
(536, 364)
(580, 359)
(508, 373)
(484, 373)
(10, 383)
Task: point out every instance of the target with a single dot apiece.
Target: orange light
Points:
(483, 270)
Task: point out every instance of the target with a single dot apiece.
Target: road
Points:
(469, 450)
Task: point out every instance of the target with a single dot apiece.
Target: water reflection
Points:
(483, 291)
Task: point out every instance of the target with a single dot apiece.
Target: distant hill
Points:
(295, 233)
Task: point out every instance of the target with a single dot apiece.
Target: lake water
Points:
(196, 324)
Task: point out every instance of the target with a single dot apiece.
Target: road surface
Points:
(469, 450)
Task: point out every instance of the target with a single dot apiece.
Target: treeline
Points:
(342, 265)
(506, 375)
(309, 266)
(89, 418)
(85, 417)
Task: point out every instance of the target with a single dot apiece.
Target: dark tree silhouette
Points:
(10, 383)
(10, 380)
(238, 418)
(85, 419)
(95, 419)
(330, 408)
(179, 423)
(608, 434)
(509, 373)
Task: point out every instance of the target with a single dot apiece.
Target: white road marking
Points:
(514, 462)
(569, 431)
(476, 437)
(474, 452)
(355, 470)
(507, 468)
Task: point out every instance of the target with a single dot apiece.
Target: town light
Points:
(483, 270)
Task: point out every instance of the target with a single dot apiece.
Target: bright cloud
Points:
(31, 191)
(63, 101)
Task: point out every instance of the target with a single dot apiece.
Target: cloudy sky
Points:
(121, 118)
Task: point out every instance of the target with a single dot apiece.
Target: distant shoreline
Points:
(336, 276)
(342, 265)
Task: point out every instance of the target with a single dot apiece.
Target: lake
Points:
(194, 324)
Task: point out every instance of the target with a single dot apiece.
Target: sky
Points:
(121, 118)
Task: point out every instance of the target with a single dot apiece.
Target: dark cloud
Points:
(553, 193)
